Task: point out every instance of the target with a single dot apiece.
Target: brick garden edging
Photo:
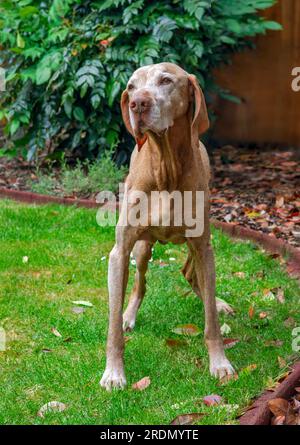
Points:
(271, 244)
(259, 413)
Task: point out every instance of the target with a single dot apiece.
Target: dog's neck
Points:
(171, 153)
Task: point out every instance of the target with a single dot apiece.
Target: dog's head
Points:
(156, 95)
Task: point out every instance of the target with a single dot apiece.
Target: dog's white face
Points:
(157, 95)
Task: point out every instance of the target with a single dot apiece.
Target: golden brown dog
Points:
(164, 109)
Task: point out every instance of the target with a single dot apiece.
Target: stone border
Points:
(259, 413)
(271, 244)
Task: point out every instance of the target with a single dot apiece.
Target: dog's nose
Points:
(139, 104)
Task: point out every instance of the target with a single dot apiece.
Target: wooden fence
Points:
(270, 111)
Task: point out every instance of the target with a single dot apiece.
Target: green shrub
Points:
(84, 179)
(68, 60)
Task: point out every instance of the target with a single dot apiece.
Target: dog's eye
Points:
(130, 87)
(165, 81)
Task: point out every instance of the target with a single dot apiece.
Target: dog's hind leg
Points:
(189, 272)
(142, 252)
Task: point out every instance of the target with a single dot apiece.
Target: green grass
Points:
(65, 247)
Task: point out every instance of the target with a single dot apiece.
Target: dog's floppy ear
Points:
(125, 111)
(125, 114)
(200, 122)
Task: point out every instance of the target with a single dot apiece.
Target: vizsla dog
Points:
(164, 109)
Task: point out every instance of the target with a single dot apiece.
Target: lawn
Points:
(67, 260)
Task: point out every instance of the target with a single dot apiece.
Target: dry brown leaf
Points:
(227, 378)
(239, 274)
(251, 312)
(175, 343)
(279, 407)
(56, 332)
(282, 363)
(276, 343)
(187, 329)
(279, 202)
(280, 296)
(187, 419)
(212, 400)
(289, 322)
(53, 406)
(263, 315)
(141, 384)
(230, 342)
(279, 420)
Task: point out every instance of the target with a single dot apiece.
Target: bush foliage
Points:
(67, 62)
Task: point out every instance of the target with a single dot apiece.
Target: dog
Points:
(163, 108)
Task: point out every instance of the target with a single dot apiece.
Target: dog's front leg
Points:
(114, 375)
(205, 269)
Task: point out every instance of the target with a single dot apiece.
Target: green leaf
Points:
(43, 74)
(78, 113)
(275, 26)
(20, 41)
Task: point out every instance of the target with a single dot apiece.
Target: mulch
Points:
(258, 188)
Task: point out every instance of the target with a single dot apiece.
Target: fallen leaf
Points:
(278, 407)
(212, 400)
(230, 342)
(282, 363)
(198, 362)
(227, 378)
(249, 368)
(239, 274)
(187, 329)
(78, 310)
(225, 329)
(51, 407)
(187, 419)
(289, 322)
(276, 343)
(279, 202)
(46, 350)
(263, 315)
(174, 343)
(251, 312)
(141, 384)
(82, 303)
(280, 296)
(268, 295)
(279, 420)
(55, 332)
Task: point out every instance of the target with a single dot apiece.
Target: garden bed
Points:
(254, 187)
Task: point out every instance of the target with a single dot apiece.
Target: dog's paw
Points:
(113, 378)
(222, 369)
(223, 307)
(128, 323)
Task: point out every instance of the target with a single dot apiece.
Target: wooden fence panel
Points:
(270, 111)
